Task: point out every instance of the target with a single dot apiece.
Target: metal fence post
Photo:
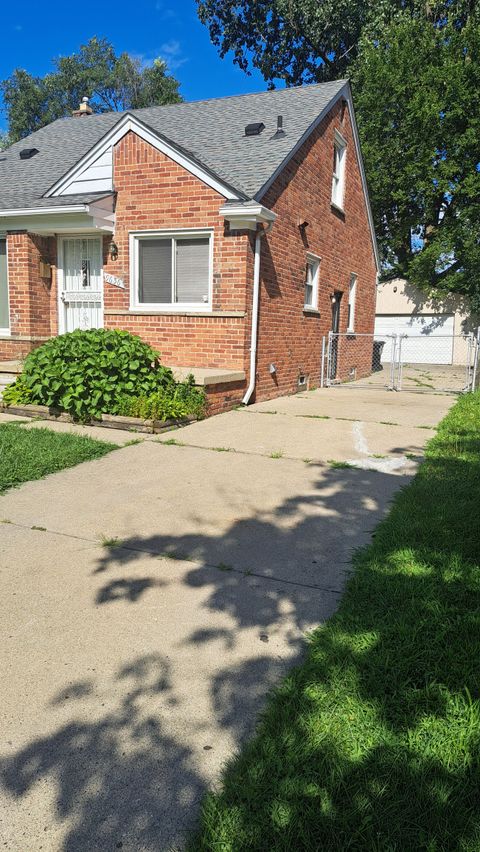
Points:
(393, 355)
(400, 362)
(323, 362)
(329, 357)
(468, 364)
(475, 360)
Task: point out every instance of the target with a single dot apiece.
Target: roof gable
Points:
(95, 168)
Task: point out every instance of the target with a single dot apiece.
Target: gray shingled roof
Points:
(212, 131)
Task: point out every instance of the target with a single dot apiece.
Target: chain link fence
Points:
(414, 362)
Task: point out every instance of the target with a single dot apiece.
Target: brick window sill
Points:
(311, 312)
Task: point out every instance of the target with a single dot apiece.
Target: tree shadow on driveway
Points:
(130, 773)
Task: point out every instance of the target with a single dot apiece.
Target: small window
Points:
(311, 282)
(352, 293)
(172, 271)
(338, 179)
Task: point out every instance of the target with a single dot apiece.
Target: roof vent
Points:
(279, 131)
(254, 129)
(28, 153)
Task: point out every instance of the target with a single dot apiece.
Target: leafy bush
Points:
(87, 373)
(166, 404)
(17, 393)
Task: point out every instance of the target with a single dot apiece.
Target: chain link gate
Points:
(439, 364)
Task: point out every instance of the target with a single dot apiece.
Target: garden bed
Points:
(107, 421)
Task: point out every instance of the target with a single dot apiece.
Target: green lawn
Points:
(374, 742)
(27, 454)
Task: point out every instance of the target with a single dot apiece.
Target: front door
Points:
(81, 283)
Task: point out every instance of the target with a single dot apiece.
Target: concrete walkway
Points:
(150, 598)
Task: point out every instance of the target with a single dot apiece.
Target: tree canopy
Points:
(111, 82)
(415, 74)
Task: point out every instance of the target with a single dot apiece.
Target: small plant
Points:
(222, 566)
(339, 465)
(222, 449)
(17, 393)
(277, 454)
(173, 402)
(171, 442)
(107, 542)
(42, 529)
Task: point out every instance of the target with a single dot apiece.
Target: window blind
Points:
(192, 263)
(155, 271)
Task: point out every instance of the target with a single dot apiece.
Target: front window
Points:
(311, 282)
(352, 293)
(172, 270)
(338, 179)
(4, 313)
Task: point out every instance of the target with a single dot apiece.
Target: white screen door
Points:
(81, 293)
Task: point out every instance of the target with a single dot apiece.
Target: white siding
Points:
(97, 177)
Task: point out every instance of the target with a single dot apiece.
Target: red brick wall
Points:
(32, 299)
(154, 193)
(289, 337)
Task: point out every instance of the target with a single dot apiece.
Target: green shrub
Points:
(87, 373)
(166, 404)
(17, 393)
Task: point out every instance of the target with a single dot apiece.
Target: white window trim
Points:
(338, 195)
(352, 298)
(315, 259)
(168, 307)
(6, 332)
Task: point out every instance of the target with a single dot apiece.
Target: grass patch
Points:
(339, 465)
(110, 541)
(314, 416)
(27, 454)
(373, 743)
(277, 454)
(222, 449)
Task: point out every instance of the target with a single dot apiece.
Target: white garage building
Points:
(435, 329)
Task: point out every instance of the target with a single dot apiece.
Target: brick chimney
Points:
(84, 109)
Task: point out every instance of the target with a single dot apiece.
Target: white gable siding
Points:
(96, 177)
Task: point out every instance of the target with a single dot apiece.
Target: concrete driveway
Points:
(150, 598)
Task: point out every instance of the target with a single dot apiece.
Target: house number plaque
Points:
(113, 279)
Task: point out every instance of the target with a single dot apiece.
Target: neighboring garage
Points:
(419, 329)
(435, 329)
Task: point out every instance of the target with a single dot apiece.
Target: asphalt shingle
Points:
(211, 130)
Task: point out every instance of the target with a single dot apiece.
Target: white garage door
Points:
(429, 341)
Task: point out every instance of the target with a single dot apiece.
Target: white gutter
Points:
(43, 211)
(255, 309)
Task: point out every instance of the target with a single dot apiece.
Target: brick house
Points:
(232, 234)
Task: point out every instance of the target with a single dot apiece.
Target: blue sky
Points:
(33, 33)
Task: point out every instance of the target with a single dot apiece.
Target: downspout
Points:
(255, 309)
